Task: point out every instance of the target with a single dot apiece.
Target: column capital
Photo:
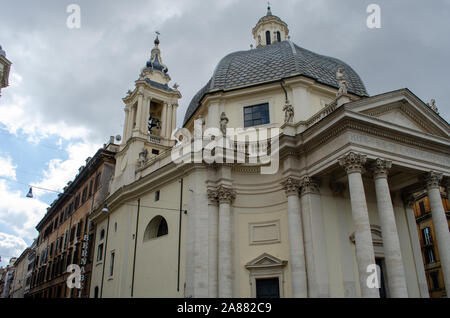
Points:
(309, 185)
(432, 179)
(213, 196)
(353, 162)
(380, 168)
(291, 186)
(225, 194)
(409, 200)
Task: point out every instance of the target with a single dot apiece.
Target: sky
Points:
(67, 84)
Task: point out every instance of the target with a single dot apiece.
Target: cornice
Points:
(348, 123)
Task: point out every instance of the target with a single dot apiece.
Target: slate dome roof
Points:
(271, 63)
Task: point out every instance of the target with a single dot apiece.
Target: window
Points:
(429, 255)
(155, 151)
(157, 193)
(102, 234)
(267, 37)
(100, 252)
(97, 182)
(278, 36)
(96, 292)
(91, 185)
(77, 201)
(115, 227)
(422, 207)
(426, 235)
(380, 267)
(256, 115)
(434, 276)
(72, 233)
(79, 227)
(83, 197)
(111, 264)
(268, 288)
(156, 228)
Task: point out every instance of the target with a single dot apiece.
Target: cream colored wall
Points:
(156, 260)
(307, 100)
(260, 199)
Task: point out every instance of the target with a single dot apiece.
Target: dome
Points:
(272, 63)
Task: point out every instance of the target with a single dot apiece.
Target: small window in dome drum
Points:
(267, 37)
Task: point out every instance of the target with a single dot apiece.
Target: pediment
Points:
(404, 109)
(265, 260)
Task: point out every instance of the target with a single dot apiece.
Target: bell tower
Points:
(150, 117)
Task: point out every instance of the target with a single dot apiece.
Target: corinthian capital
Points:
(409, 200)
(309, 185)
(225, 194)
(432, 179)
(353, 162)
(380, 168)
(213, 196)
(291, 186)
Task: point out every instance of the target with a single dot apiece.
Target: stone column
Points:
(164, 121)
(296, 246)
(139, 111)
(174, 116)
(169, 121)
(314, 238)
(432, 180)
(415, 243)
(213, 223)
(225, 267)
(145, 115)
(126, 124)
(391, 243)
(353, 164)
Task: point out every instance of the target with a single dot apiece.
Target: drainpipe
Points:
(135, 246)
(284, 89)
(104, 257)
(179, 234)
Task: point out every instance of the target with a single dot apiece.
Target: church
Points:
(327, 214)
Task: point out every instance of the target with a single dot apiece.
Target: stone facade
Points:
(333, 210)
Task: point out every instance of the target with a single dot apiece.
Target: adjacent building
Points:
(65, 234)
(8, 278)
(19, 281)
(5, 66)
(30, 266)
(314, 190)
(428, 242)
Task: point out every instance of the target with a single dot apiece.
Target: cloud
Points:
(18, 213)
(10, 246)
(7, 169)
(58, 172)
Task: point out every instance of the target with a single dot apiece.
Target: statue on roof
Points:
(432, 105)
(342, 81)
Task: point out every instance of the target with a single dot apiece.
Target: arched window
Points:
(96, 292)
(156, 228)
(278, 36)
(267, 37)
